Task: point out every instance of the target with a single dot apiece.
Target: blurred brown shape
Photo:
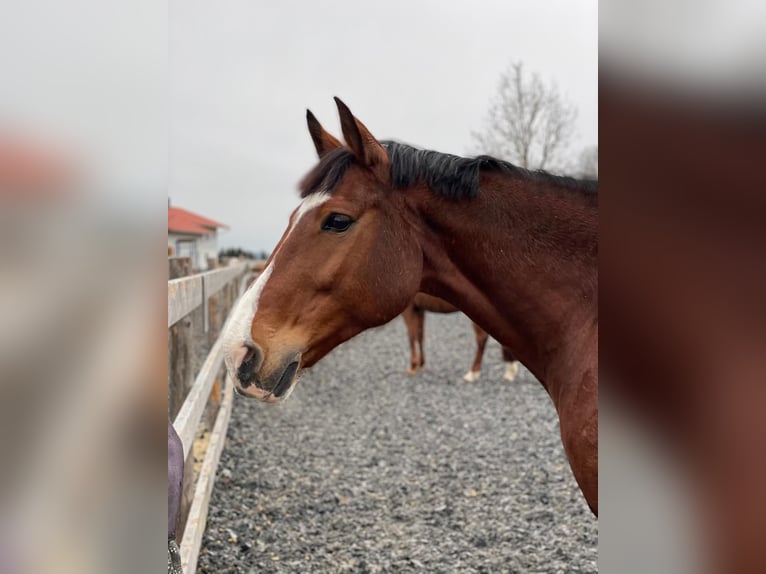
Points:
(31, 168)
(683, 293)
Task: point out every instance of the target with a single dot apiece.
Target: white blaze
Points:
(240, 326)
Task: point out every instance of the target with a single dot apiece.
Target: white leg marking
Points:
(471, 376)
(511, 370)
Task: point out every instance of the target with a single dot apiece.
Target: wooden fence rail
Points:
(186, 294)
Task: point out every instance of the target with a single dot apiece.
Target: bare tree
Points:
(587, 163)
(529, 124)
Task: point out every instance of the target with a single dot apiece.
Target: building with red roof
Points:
(193, 235)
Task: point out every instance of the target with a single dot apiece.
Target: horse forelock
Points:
(328, 173)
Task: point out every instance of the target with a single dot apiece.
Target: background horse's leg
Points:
(481, 343)
(512, 366)
(421, 315)
(413, 324)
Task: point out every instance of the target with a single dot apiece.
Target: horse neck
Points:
(519, 259)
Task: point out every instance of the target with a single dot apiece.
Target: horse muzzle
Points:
(266, 381)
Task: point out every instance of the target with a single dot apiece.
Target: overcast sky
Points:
(420, 71)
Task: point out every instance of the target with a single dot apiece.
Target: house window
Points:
(187, 248)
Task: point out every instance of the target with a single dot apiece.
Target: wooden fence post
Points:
(207, 406)
(180, 346)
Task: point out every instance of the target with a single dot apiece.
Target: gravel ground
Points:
(365, 469)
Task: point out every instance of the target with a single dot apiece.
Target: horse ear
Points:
(366, 148)
(323, 141)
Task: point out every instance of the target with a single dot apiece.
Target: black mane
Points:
(449, 175)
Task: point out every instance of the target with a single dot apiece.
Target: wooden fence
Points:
(186, 295)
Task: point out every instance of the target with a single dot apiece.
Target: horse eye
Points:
(337, 223)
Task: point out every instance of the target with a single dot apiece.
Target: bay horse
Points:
(515, 250)
(414, 319)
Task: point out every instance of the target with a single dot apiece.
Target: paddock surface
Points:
(366, 469)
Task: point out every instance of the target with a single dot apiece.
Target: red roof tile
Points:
(184, 221)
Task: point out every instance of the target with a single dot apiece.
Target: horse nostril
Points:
(251, 362)
(249, 353)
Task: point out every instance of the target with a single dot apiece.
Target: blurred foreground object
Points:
(28, 170)
(82, 388)
(683, 278)
(83, 373)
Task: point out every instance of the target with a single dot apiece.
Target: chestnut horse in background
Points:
(415, 318)
(514, 250)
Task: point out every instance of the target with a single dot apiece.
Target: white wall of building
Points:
(198, 247)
